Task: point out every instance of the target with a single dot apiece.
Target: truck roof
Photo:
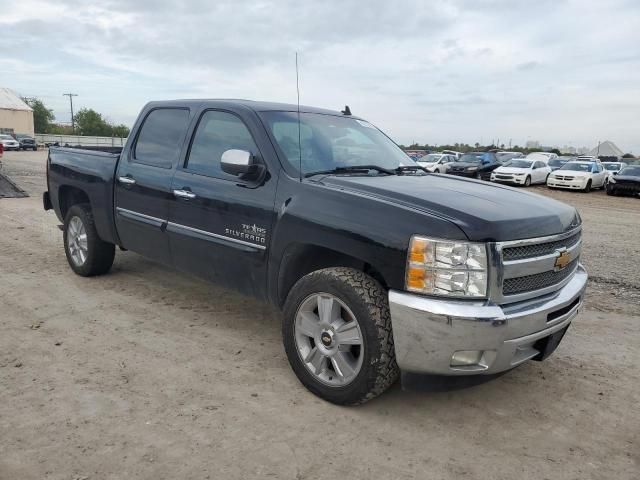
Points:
(251, 104)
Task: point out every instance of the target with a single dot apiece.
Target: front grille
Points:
(561, 177)
(504, 177)
(539, 249)
(529, 283)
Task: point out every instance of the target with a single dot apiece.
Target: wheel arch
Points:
(301, 259)
(68, 196)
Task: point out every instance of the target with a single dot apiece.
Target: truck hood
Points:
(483, 211)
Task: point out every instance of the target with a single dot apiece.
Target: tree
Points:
(42, 116)
(628, 155)
(59, 129)
(120, 131)
(90, 122)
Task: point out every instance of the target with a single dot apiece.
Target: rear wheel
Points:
(86, 253)
(337, 335)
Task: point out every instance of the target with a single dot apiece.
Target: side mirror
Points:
(242, 164)
(236, 162)
(615, 173)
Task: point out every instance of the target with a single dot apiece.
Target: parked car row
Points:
(19, 141)
(582, 173)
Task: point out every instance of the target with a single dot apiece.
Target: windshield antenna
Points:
(299, 135)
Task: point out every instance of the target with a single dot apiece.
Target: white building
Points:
(15, 115)
(607, 149)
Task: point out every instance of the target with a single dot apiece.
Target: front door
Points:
(143, 182)
(219, 227)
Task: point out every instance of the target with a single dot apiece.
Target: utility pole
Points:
(71, 95)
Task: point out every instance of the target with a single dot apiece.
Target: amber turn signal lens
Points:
(418, 250)
(416, 278)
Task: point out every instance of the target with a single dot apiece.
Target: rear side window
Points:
(161, 137)
(218, 132)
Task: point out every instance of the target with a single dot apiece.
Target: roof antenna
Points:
(346, 111)
(299, 134)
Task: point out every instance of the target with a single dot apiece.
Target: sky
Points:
(560, 72)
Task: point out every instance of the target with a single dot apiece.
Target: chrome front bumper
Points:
(427, 331)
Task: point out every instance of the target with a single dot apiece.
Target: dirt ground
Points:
(152, 374)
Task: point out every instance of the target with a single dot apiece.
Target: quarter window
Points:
(160, 140)
(218, 132)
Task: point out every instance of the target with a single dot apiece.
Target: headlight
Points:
(438, 267)
(519, 174)
(612, 180)
(471, 169)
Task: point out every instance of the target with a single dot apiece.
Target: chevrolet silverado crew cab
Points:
(379, 267)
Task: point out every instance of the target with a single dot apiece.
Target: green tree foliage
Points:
(59, 129)
(42, 116)
(628, 155)
(120, 130)
(91, 123)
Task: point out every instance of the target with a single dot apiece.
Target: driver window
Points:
(217, 132)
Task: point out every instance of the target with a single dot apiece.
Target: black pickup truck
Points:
(379, 267)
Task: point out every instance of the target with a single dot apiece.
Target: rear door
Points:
(219, 226)
(143, 182)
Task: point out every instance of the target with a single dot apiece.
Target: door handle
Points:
(127, 180)
(186, 194)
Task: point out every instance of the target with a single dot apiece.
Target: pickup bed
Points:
(379, 267)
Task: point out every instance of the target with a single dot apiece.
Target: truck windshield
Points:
(332, 142)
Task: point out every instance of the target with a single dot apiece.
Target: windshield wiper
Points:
(353, 168)
(409, 168)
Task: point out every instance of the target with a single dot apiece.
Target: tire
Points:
(610, 190)
(527, 181)
(356, 297)
(97, 256)
(587, 189)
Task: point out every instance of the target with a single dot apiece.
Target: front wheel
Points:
(587, 189)
(527, 181)
(337, 335)
(86, 253)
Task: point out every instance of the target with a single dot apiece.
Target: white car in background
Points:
(453, 153)
(9, 143)
(578, 175)
(436, 162)
(504, 157)
(544, 156)
(522, 171)
(612, 168)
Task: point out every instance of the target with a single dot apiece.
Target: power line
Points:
(71, 95)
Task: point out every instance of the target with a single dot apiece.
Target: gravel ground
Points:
(149, 373)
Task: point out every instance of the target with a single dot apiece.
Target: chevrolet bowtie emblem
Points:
(562, 260)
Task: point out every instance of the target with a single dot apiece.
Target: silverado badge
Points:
(562, 260)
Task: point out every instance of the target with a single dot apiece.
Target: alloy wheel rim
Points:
(77, 241)
(329, 340)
